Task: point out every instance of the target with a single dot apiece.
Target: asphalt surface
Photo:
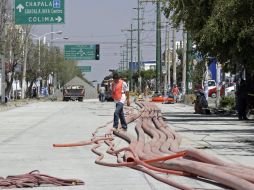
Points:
(28, 132)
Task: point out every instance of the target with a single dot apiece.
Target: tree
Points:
(15, 56)
(3, 16)
(198, 72)
(147, 78)
(220, 28)
(126, 75)
(3, 19)
(66, 69)
(32, 66)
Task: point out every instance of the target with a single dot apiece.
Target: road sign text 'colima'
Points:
(41, 19)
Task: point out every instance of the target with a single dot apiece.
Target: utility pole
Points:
(206, 80)
(122, 62)
(218, 79)
(174, 56)
(184, 63)
(131, 81)
(54, 59)
(131, 66)
(138, 44)
(127, 54)
(166, 60)
(25, 39)
(138, 35)
(158, 47)
(169, 60)
(189, 64)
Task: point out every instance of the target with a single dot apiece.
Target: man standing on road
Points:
(102, 94)
(120, 91)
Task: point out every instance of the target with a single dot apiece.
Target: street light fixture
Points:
(39, 43)
(39, 38)
(55, 72)
(50, 42)
(63, 38)
(25, 53)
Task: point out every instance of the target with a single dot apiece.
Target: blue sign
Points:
(57, 4)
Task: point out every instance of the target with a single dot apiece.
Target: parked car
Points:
(230, 89)
(212, 92)
(211, 84)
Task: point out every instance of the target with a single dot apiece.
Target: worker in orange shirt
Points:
(120, 92)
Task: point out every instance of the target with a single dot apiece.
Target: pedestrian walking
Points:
(242, 100)
(120, 92)
(175, 91)
(34, 92)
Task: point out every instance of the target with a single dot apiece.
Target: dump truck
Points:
(73, 92)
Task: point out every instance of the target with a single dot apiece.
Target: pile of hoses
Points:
(156, 148)
(35, 179)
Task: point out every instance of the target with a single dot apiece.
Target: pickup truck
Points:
(73, 92)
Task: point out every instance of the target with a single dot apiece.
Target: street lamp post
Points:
(39, 42)
(54, 61)
(39, 52)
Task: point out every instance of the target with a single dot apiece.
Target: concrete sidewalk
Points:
(232, 140)
(18, 103)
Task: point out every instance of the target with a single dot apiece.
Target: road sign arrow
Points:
(59, 19)
(20, 7)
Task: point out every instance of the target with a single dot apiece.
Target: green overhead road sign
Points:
(39, 11)
(85, 68)
(82, 52)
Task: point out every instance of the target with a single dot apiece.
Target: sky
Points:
(106, 22)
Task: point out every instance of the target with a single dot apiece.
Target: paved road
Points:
(28, 132)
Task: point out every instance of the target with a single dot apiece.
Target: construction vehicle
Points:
(74, 90)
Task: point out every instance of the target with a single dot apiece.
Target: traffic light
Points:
(97, 52)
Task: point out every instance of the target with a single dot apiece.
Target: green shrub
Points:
(227, 102)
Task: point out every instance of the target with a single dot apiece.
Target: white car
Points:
(230, 90)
